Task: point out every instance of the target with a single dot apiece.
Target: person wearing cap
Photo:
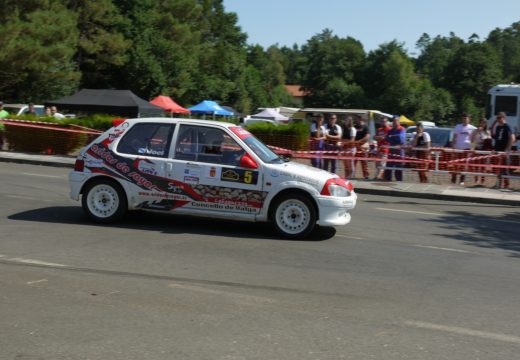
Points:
(462, 141)
(396, 137)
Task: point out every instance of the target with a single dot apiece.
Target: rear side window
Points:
(147, 139)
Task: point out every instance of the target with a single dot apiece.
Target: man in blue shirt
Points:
(396, 136)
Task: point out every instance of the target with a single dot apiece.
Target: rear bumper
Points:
(76, 181)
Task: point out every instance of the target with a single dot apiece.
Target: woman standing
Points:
(317, 141)
(349, 145)
(421, 143)
(482, 140)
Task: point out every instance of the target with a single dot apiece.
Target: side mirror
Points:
(246, 161)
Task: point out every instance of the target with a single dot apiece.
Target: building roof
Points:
(295, 90)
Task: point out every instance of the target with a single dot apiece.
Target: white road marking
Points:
(33, 261)
(27, 198)
(43, 175)
(350, 237)
(411, 212)
(464, 331)
(445, 249)
(241, 298)
(36, 281)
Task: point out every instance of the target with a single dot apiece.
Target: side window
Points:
(147, 139)
(209, 145)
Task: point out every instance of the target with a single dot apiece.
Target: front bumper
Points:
(334, 211)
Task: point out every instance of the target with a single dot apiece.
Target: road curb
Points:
(419, 195)
(37, 162)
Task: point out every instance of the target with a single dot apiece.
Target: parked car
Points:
(204, 168)
(20, 109)
(440, 136)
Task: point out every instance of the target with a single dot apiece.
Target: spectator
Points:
(333, 135)
(461, 141)
(504, 140)
(382, 148)
(396, 137)
(56, 114)
(349, 144)
(481, 140)
(48, 111)
(362, 136)
(317, 140)
(421, 143)
(30, 110)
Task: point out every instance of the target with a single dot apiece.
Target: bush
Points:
(294, 136)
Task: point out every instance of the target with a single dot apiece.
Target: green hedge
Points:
(294, 136)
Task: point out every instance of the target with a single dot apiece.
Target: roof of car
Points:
(182, 120)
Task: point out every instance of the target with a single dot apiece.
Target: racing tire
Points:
(293, 216)
(104, 201)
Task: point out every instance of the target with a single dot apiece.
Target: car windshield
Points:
(262, 151)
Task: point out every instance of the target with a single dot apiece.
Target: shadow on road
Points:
(484, 231)
(167, 223)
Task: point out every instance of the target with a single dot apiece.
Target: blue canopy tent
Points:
(208, 107)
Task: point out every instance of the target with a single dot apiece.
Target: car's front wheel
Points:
(294, 216)
(104, 201)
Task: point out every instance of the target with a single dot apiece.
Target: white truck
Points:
(505, 98)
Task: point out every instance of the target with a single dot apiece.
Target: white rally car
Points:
(205, 168)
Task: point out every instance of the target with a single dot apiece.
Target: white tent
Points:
(271, 114)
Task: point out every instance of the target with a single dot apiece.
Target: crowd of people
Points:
(351, 140)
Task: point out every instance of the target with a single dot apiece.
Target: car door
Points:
(207, 176)
(141, 160)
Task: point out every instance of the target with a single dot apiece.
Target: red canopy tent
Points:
(168, 104)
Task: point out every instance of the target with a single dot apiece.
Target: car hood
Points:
(293, 171)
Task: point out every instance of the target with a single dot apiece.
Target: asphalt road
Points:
(407, 279)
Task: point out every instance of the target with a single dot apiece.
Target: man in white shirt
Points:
(56, 114)
(333, 134)
(462, 141)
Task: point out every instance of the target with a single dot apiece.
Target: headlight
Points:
(337, 187)
(339, 191)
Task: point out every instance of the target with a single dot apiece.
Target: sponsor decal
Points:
(146, 151)
(212, 172)
(94, 163)
(275, 173)
(239, 175)
(147, 167)
(191, 180)
(240, 132)
(192, 172)
(300, 178)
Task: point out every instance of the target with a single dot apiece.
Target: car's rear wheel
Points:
(294, 216)
(104, 201)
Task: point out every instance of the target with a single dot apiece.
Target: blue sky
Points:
(373, 22)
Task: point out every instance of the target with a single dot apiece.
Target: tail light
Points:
(79, 165)
(337, 187)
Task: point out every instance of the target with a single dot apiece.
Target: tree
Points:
(474, 68)
(507, 45)
(332, 64)
(38, 44)
(101, 45)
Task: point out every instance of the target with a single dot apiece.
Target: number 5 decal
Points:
(248, 177)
